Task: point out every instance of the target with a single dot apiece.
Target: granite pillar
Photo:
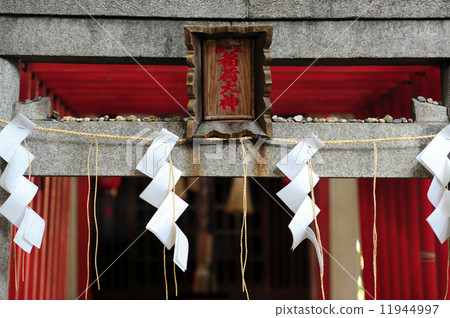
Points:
(9, 94)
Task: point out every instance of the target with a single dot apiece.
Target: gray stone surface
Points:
(9, 93)
(5, 237)
(425, 112)
(348, 9)
(57, 154)
(36, 110)
(252, 9)
(63, 39)
(226, 9)
(9, 86)
(57, 38)
(374, 39)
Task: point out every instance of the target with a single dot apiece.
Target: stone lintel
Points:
(159, 41)
(234, 9)
(61, 154)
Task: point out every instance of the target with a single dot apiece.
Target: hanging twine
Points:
(172, 179)
(244, 222)
(95, 212)
(375, 234)
(29, 178)
(448, 268)
(95, 216)
(171, 182)
(313, 199)
(16, 278)
(165, 272)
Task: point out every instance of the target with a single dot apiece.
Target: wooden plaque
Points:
(229, 81)
(228, 90)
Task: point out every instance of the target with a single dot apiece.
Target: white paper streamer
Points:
(30, 225)
(435, 159)
(295, 194)
(154, 164)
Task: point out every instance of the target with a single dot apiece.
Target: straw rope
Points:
(79, 133)
(313, 200)
(374, 233)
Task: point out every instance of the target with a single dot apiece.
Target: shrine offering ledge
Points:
(68, 153)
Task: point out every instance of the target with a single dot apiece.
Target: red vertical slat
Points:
(29, 258)
(428, 253)
(61, 281)
(384, 272)
(57, 234)
(65, 240)
(418, 87)
(44, 249)
(37, 253)
(51, 239)
(390, 261)
(405, 99)
(12, 267)
(433, 82)
(82, 235)
(441, 267)
(402, 234)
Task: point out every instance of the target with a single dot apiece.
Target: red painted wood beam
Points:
(351, 69)
(371, 77)
(182, 85)
(280, 77)
(110, 77)
(88, 68)
(104, 68)
(168, 102)
(151, 91)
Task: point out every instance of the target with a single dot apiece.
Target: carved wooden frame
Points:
(262, 125)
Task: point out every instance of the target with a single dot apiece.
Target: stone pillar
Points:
(9, 93)
(445, 84)
(5, 237)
